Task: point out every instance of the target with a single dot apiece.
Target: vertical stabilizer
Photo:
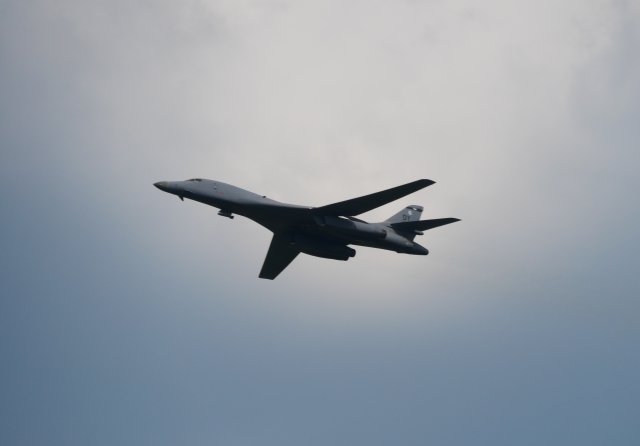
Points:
(410, 213)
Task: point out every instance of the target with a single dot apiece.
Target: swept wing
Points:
(360, 205)
(279, 256)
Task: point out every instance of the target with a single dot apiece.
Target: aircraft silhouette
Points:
(324, 231)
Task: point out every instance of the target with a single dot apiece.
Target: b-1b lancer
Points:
(324, 231)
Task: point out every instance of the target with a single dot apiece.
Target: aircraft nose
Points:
(162, 185)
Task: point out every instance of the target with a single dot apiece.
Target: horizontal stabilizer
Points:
(360, 205)
(423, 225)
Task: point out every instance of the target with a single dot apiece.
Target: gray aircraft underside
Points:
(324, 231)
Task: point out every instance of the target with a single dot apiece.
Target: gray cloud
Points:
(130, 318)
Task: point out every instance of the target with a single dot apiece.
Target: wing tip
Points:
(424, 182)
(269, 275)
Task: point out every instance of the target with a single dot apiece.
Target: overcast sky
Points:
(128, 317)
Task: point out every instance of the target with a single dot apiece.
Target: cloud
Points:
(524, 113)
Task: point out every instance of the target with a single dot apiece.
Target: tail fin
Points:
(410, 213)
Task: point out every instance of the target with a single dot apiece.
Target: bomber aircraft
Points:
(324, 231)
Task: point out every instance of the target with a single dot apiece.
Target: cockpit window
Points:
(195, 179)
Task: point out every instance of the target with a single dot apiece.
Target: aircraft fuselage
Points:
(325, 231)
(291, 219)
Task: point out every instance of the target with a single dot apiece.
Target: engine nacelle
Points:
(322, 248)
(355, 229)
